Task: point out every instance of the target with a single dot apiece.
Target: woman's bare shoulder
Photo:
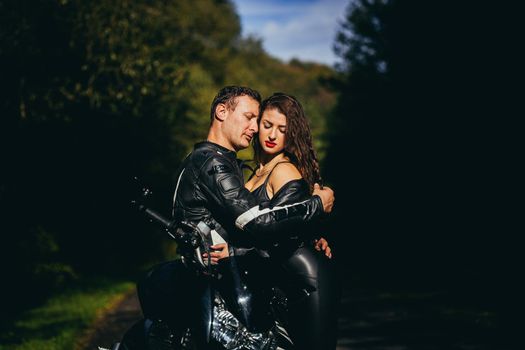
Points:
(282, 174)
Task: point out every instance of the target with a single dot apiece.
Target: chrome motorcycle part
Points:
(231, 334)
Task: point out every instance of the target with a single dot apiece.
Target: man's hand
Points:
(219, 251)
(327, 197)
(322, 244)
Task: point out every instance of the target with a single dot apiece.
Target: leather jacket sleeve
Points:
(292, 192)
(224, 186)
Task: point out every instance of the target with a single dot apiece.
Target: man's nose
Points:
(254, 126)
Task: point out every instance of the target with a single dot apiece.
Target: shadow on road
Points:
(380, 318)
(375, 318)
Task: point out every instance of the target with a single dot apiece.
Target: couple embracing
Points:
(268, 227)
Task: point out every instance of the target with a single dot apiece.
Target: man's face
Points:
(240, 124)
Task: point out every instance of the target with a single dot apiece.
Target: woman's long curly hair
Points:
(298, 145)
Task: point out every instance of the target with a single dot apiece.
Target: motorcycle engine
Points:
(231, 334)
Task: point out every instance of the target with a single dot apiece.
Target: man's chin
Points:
(242, 146)
(246, 143)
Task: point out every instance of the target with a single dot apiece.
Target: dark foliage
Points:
(418, 202)
(94, 93)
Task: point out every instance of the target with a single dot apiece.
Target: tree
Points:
(93, 93)
(401, 123)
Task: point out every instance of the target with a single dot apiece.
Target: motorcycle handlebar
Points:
(184, 235)
(153, 215)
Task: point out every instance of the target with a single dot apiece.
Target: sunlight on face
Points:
(272, 129)
(241, 123)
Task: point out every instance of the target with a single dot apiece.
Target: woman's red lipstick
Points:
(270, 144)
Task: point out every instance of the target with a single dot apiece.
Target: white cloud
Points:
(266, 8)
(303, 28)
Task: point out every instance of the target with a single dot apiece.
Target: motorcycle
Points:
(220, 306)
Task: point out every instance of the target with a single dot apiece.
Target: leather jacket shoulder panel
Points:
(222, 181)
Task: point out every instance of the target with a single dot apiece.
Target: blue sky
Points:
(304, 29)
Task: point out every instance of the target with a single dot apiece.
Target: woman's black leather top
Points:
(293, 191)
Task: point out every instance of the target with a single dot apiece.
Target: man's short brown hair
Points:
(228, 95)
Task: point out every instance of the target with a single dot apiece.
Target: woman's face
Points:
(272, 129)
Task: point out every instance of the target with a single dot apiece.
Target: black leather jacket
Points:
(210, 188)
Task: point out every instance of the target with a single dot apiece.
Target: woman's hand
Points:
(322, 244)
(219, 251)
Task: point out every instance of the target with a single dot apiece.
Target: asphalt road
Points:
(372, 319)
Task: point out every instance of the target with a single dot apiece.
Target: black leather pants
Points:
(312, 308)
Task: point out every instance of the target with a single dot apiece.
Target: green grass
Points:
(58, 323)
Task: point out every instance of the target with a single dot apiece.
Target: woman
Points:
(287, 172)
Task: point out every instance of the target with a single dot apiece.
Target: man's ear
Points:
(220, 111)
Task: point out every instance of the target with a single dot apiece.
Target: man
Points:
(210, 194)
